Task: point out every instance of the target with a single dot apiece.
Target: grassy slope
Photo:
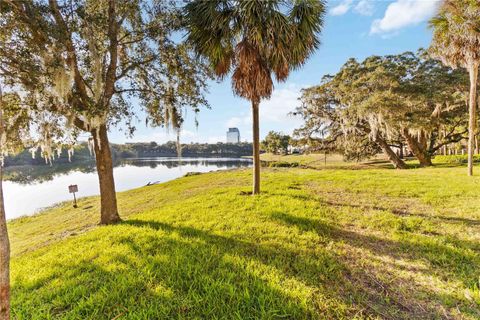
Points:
(316, 244)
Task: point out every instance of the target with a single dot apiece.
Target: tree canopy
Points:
(83, 65)
(389, 101)
(276, 143)
(456, 42)
(88, 60)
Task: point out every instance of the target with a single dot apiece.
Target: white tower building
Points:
(233, 135)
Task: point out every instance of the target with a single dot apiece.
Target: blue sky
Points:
(353, 28)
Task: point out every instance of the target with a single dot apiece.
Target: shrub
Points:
(283, 164)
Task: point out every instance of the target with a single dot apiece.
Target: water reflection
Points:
(31, 188)
(40, 173)
(219, 163)
(44, 173)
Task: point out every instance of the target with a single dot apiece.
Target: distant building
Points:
(233, 135)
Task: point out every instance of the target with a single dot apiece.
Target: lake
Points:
(36, 187)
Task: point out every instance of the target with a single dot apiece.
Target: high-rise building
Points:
(233, 135)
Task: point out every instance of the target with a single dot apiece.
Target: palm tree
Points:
(456, 41)
(255, 39)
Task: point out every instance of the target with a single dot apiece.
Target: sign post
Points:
(72, 189)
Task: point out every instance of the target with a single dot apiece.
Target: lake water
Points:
(45, 186)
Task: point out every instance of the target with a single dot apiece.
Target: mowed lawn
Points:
(316, 244)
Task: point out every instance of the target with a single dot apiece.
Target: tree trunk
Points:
(476, 144)
(4, 245)
(418, 150)
(472, 121)
(4, 259)
(256, 148)
(392, 156)
(103, 157)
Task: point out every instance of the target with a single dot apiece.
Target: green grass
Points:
(316, 244)
(322, 161)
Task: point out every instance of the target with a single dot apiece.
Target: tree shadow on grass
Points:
(403, 212)
(276, 256)
(444, 259)
(164, 271)
(454, 259)
(333, 279)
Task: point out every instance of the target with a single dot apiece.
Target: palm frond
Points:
(255, 38)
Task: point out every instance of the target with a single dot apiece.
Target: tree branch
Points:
(113, 50)
(71, 55)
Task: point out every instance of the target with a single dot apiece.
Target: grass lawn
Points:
(316, 244)
(322, 161)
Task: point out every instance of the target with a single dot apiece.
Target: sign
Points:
(72, 189)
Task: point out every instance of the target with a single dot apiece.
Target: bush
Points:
(283, 164)
(192, 173)
(459, 158)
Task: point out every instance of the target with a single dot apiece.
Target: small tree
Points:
(276, 143)
(255, 39)
(456, 41)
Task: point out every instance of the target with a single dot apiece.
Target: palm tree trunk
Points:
(103, 157)
(256, 148)
(472, 122)
(4, 245)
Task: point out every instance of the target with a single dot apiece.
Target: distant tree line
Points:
(137, 150)
(169, 149)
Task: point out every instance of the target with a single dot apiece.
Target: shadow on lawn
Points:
(159, 277)
(355, 289)
(403, 212)
(165, 271)
(444, 259)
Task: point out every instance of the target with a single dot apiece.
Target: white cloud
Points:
(161, 135)
(237, 121)
(274, 113)
(282, 102)
(364, 7)
(234, 122)
(215, 139)
(342, 8)
(404, 13)
(157, 136)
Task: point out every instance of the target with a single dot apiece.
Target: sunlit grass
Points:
(318, 244)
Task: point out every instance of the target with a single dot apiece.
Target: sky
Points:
(352, 29)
